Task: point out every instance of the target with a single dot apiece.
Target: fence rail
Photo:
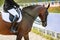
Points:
(48, 32)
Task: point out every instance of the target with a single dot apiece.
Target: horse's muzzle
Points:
(44, 24)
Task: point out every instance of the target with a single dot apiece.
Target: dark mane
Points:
(31, 7)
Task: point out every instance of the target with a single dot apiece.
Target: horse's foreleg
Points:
(26, 37)
(19, 37)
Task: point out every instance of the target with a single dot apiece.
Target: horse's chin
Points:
(44, 24)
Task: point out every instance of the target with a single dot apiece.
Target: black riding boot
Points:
(14, 25)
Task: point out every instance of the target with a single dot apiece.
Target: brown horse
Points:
(29, 14)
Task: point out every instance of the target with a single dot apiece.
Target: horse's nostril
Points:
(44, 24)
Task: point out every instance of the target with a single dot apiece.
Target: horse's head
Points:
(43, 13)
(37, 10)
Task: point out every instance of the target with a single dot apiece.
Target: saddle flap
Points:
(5, 17)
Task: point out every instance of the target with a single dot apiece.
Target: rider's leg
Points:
(14, 25)
(15, 13)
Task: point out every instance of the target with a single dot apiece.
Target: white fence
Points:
(48, 32)
(52, 3)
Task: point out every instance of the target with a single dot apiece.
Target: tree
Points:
(1, 2)
(25, 1)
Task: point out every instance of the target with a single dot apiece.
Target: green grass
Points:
(26, 1)
(48, 37)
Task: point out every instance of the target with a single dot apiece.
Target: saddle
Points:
(16, 15)
(7, 17)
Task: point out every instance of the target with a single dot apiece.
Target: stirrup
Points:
(14, 27)
(13, 31)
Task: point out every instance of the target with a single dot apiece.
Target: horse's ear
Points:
(48, 6)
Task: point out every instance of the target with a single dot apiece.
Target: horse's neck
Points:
(32, 12)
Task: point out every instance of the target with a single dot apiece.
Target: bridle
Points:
(45, 16)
